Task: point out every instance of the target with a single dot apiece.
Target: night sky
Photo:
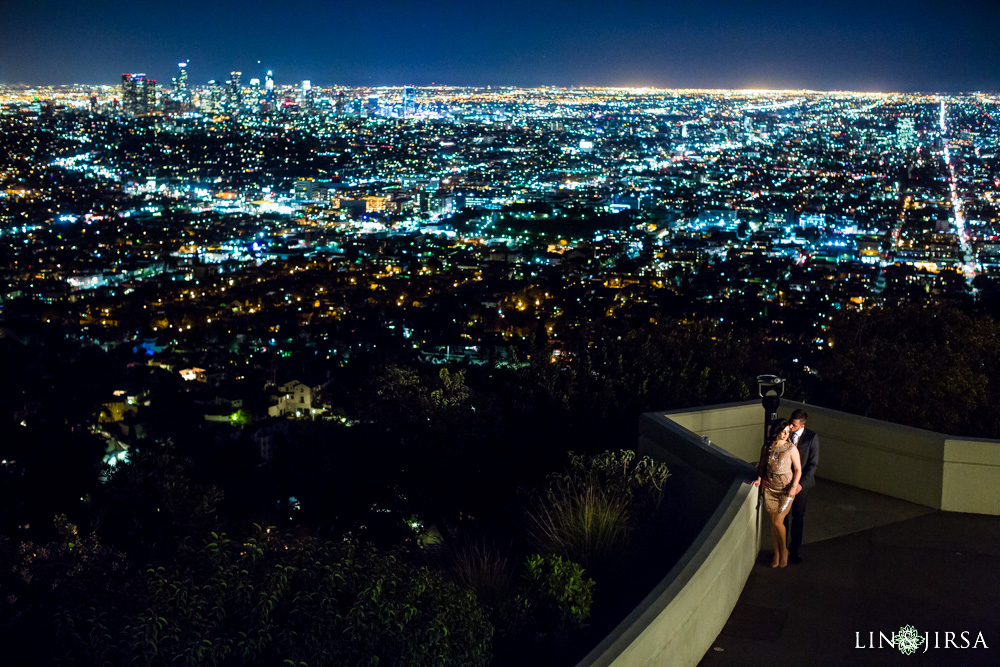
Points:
(887, 45)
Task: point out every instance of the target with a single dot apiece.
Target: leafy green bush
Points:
(545, 598)
(266, 600)
(558, 594)
(270, 600)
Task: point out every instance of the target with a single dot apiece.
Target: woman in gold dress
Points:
(780, 467)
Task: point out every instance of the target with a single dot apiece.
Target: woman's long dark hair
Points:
(776, 428)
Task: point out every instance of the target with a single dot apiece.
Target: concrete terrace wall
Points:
(971, 476)
(678, 621)
(894, 460)
(737, 428)
(924, 467)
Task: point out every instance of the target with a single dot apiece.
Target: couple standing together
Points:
(787, 467)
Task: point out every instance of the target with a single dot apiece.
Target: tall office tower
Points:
(269, 88)
(305, 94)
(128, 92)
(340, 103)
(254, 96)
(409, 101)
(906, 136)
(373, 105)
(147, 98)
(212, 101)
(182, 92)
(234, 96)
(138, 93)
(150, 103)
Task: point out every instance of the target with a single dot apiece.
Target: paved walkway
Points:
(870, 564)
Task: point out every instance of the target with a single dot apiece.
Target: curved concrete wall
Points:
(678, 621)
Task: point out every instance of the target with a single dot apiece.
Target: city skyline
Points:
(885, 46)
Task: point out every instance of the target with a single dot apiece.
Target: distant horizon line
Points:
(620, 88)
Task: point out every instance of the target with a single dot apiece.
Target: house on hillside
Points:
(296, 400)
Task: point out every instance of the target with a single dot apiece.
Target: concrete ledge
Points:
(971, 479)
(679, 619)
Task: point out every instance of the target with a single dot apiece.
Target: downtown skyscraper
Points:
(138, 93)
(182, 90)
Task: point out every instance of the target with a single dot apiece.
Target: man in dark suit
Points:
(808, 444)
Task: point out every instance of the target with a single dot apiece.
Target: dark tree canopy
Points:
(934, 368)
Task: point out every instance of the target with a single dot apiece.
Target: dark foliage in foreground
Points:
(205, 598)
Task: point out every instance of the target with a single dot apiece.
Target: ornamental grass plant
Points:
(483, 567)
(583, 522)
(589, 512)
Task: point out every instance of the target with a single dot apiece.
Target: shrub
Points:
(547, 597)
(558, 594)
(270, 600)
(641, 481)
(588, 512)
(267, 600)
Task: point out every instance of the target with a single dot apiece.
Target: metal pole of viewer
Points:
(771, 388)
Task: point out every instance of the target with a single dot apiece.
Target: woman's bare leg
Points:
(778, 526)
(776, 561)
